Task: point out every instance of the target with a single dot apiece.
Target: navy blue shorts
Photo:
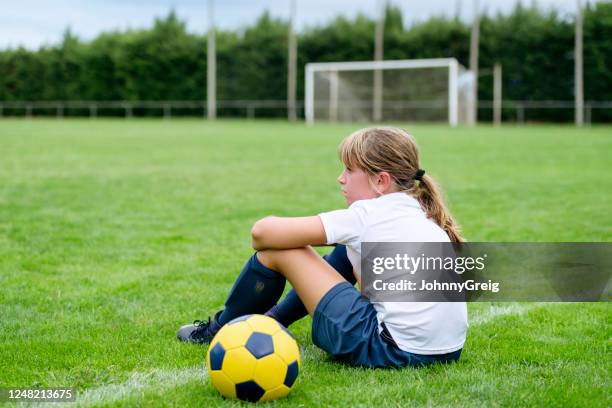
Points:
(345, 325)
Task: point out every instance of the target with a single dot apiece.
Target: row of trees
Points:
(167, 62)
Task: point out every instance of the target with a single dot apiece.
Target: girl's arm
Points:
(287, 232)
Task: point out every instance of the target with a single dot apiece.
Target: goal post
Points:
(414, 90)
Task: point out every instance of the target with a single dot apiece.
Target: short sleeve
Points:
(344, 226)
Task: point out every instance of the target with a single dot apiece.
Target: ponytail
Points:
(429, 196)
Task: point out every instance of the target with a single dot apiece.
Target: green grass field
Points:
(114, 233)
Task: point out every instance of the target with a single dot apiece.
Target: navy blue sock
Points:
(291, 308)
(256, 289)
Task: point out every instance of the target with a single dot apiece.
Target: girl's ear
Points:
(383, 181)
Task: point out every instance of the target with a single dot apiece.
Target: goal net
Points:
(422, 90)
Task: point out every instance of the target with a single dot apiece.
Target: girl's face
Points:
(356, 186)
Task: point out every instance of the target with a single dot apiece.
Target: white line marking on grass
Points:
(156, 379)
(495, 311)
(159, 379)
(138, 383)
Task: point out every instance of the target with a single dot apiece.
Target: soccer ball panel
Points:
(249, 391)
(239, 365)
(285, 347)
(278, 392)
(263, 324)
(292, 373)
(215, 356)
(260, 344)
(270, 372)
(233, 336)
(223, 384)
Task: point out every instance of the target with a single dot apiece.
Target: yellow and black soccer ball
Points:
(253, 358)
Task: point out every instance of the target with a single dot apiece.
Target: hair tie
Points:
(419, 174)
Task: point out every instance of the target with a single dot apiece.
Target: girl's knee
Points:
(266, 258)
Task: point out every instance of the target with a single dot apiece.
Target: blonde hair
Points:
(394, 151)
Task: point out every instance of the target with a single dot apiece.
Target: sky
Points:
(34, 23)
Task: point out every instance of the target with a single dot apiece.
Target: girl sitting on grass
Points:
(390, 200)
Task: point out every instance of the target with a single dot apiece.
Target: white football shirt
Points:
(417, 327)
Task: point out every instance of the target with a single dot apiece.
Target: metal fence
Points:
(517, 110)
(513, 111)
(129, 109)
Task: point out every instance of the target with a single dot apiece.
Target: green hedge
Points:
(166, 62)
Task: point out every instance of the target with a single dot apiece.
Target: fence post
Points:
(93, 110)
(28, 110)
(520, 113)
(497, 94)
(128, 110)
(587, 109)
(59, 110)
(167, 111)
(250, 111)
(1, 110)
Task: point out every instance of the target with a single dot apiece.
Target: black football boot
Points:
(200, 332)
